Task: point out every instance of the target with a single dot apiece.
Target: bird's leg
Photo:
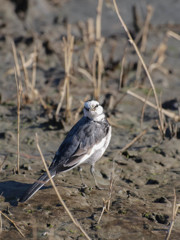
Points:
(81, 176)
(92, 172)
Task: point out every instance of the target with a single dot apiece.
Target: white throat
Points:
(93, 110)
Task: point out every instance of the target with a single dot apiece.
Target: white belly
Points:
(99, 149)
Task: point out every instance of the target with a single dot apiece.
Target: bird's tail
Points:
(35, 187)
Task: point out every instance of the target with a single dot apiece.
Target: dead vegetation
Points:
(93, 70)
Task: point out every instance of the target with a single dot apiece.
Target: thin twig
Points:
(142, 61)
(107, 202)
(97, 58)
(27, 64)
(34, 68)
(122, 70)
(172, 115)
(174, 212)
(80, 108)
(12, 223)
(76, 223)
(144, 39)
(133, 141)
(85, 73)
(15, 59)
(19, 92)
(174, 35)
(68, 45)
(26, 77)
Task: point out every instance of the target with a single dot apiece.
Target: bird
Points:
(86, 142)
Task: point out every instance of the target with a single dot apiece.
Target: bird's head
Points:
(93, 110)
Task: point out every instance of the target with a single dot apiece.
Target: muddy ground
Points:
(145, 175)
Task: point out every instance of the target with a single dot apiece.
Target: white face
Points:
(93, 109)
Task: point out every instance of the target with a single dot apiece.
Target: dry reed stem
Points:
(80, 108)
(174, 212)
(122, 70)
(142, 61)
(19, 93)
(27, 64)
(91, 31)
(76, 223)
(107, 202)
(144, 39)
(159, 54)
(85, 73)
(34, 68)
(158, 66)
(146, 27)
(68, 45)
(174, 35)
(86, 39)
(31, 91)
(97, 58)
(15, 60)
(18, 229)
(170, 114)
(133, 141)
(26, 77)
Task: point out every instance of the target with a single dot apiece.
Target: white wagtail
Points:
(85, 143)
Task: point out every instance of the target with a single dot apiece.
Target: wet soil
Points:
(145, 175)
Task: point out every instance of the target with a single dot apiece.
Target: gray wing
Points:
(79, 142)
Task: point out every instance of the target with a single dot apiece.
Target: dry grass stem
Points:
(27, 64)
(19, 93)
(85, 73)
(158, 66)
(80, 108)
(170, 114)
(68, 45)
(97, 66)
(174, 35)
(86, 39)
(107, 202)
(133, 141)
(142, 61)
(17, 68)
(174, 212)
(144, 39)
(146, 27)
(18, 229)
(122, 70)
(159, 54)
(76, 223)
(31, 93)
(34, 68)
(26, 77)
(91, 31)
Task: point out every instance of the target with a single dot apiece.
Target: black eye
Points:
(87, 109)
(97, 105)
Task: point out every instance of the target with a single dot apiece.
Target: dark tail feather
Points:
(35, 187)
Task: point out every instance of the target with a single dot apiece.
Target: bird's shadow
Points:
(12, 191)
